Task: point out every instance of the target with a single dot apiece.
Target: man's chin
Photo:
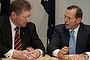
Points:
(24, 25)
(67, 27)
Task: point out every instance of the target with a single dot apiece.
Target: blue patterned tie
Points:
(72, 42)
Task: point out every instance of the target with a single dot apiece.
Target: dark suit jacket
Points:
(61, 38)
(28, 35)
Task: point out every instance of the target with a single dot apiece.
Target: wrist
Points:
(38, 53)
(15, 54)
(60, 55)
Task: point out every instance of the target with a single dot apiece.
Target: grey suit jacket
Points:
(61, 38)
(29, 36)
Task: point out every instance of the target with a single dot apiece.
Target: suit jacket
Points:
(61, 38)
(29, 36)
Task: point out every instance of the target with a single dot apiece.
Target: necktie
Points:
(17, 40)
(72, 42)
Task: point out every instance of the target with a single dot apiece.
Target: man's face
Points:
(70, 21)
(22, 19)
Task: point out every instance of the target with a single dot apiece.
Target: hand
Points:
(34, 53)
(31, 53)
(19, 55)
(63, 52)
(29, 49)
(77, 57)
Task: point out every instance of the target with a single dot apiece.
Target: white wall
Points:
(40, 18)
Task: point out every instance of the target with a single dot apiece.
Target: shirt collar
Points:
(12, 25)
(76, 30)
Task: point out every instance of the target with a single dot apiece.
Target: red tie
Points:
(17, 40)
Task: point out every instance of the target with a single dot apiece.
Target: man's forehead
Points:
(71, 12)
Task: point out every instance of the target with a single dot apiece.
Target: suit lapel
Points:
(23, 37)
(9, 37)
(65, 37)
(80, 37)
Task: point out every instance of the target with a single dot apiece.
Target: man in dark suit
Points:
(59, 45)
(32, 46)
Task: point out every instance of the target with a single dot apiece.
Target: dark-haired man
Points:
(76, 44)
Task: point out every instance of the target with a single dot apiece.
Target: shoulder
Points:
(30, 25)
(4, 19)
(85, 27)
(60, 26)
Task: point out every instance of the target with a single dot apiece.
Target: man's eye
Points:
(69, 17)
(24, 17)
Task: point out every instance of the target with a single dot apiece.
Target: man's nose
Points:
(28, 20)
(66, 19)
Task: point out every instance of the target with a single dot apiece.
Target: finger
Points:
(32, 56)
(25, 56)
(29, 49)
(69, 47)
(64, 50)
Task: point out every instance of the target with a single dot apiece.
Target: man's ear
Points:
(13, 14)
(79, 20)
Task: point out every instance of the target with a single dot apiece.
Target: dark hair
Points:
(79, 12)
(18, 6)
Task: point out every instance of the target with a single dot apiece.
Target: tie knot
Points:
(72, 32)
(16, 28)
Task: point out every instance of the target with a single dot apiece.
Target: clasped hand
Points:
(28, 54)
(31, 53)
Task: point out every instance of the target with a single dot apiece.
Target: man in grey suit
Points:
(59, 45)
(31, 46)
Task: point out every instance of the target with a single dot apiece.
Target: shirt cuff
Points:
(55, 52)
(88, 53)
(41, 52)
(9, 54)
